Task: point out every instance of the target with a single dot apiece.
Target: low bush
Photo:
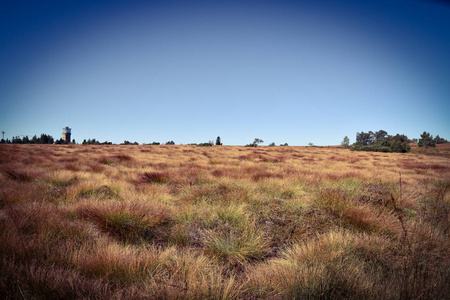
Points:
(373, 148)
(205, 145)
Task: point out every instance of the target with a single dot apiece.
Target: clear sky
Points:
(283, 71)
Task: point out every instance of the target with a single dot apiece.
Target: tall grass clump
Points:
(38, 281)
(237, 241)
(19, 175)
(355, 215)
(129, 221)
(422, 263)
(125, 263)
(336, 265)
(421, 255)
(188, 274)
(156, 177)
(435, 206)
(223, 193)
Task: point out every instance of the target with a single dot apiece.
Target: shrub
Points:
(204, 145)
(373, 148)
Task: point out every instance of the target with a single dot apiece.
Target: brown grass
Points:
(185, 222)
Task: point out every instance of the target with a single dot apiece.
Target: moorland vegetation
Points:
(223, 222)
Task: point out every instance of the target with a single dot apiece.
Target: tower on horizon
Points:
(66, 134)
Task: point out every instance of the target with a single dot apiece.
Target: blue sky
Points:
(283, 71)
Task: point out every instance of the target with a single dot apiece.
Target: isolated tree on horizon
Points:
(346, 142)
(255, 143)
(218, 141)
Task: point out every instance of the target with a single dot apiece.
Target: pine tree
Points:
(426, 140)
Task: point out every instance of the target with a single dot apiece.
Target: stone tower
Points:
(66, 134)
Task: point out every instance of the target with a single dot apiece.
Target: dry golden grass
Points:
(163, 222)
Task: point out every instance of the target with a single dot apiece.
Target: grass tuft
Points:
(19, 175)
(130, 222)
(156, 177)
(237, 245)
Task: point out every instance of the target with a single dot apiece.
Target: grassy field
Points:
(222, 222)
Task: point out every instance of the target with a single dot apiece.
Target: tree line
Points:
(48, 139)
(379, 141)
(43, 139)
